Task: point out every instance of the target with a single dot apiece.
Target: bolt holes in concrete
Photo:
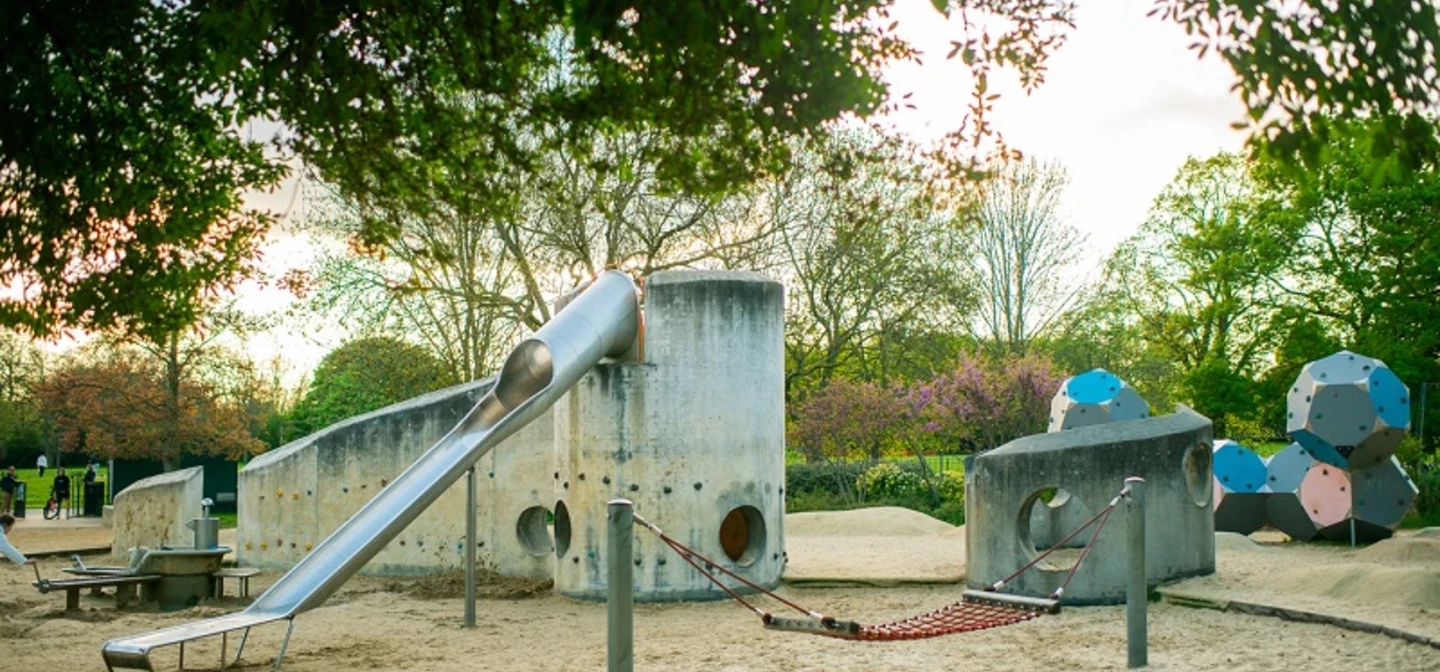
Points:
(562, 529)
(1199, 472)
(742, 535)
(532, 531)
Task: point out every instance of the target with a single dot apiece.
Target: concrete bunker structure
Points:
(1172, 453)
(693, 434)
(689, 425)
(293, 497)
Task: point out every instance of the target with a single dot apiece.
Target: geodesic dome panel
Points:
(1241, 512)
(1287, 514)
(1092, 398)
(1383, 494)
(1287, 468)
(1237, 468)
(1348, 410)
(1325, 493)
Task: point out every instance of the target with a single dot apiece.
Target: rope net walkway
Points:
(976, 610)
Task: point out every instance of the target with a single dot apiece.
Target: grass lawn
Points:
(37, 489)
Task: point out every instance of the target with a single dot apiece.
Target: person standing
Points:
(61, 488)
(90, 474)
(8, 484)
(41, 463)
(7, 523)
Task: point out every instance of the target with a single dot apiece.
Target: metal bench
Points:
(124, 587)
(240, 574)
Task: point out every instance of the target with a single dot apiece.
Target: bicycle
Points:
(52, 507)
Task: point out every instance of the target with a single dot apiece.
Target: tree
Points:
(120, 404)
(1020, 250)
(1301, 65)
(22, 365)
(1198, 278)
(1367, 253)
(982, 403)
(123, 157)
(865, 240)
(364, 375)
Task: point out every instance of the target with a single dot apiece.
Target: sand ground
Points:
(379, 623)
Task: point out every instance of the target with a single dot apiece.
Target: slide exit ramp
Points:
(601, 322)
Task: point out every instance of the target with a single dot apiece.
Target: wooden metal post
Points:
(472, 483)
(1136, 590)
(620, 587)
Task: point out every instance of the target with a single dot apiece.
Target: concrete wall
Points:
(293, 497)
(1172, 453)
(153, 511)
(694, 435)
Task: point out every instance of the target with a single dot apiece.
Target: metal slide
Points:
(602, 321)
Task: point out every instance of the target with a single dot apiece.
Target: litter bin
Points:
(94, 498)
(19, 507)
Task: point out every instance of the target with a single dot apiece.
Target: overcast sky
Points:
(1124, 103)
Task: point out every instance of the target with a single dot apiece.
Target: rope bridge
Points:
(976, 610)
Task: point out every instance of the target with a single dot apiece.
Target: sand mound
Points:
(1231, 541)
(1365, 584)
(1429, 533)
(877, 546)
(1409, 550)
(880, 521)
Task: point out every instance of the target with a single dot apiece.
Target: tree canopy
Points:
(364, 375)
(124, 147)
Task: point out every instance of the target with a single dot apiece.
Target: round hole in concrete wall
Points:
(532, 531)
(562, 529)
(1064, 515)
(1199, 471)
(742, 535)
(1055, 497)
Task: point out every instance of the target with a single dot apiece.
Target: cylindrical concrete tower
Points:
(694, 434)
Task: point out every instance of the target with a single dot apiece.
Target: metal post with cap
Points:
(1136, 590)
(620, 587)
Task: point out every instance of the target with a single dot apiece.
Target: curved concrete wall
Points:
(291, 498)
(153, 511)
(1173, 455)
(694, 435)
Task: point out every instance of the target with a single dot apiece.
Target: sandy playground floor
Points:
(379, 623)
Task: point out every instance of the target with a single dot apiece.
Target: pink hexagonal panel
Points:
(1325, 492)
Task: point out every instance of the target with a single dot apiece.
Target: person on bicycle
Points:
(61, 487)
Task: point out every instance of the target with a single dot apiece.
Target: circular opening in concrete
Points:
(1040, 528)
(1055, 497)
(533, 532)
(1199, 471)
(742, 535)
(562, 529)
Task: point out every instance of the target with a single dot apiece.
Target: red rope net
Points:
(947, 620)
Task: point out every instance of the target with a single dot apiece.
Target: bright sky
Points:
(1123, 105)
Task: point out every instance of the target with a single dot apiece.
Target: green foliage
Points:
(1424, 470)
(1301, 64)
(836, 478)
(364, 375)
(888, 481)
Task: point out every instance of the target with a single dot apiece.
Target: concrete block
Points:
(694, 435)
(1348, 410)
(1094, 397)
(152, 512)
(1172, 453)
